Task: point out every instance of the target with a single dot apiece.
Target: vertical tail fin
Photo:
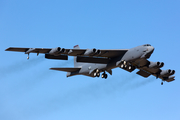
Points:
(76, 64)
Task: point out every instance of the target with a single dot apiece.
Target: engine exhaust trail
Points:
(46, 72)
(142, 83)
(20, 66)
(43, 74)
(98, 90)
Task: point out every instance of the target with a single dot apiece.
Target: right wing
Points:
(34, 50)
(73, 52)
(84, 55)
(108, 53)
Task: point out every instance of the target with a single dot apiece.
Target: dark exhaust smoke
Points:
(98, 90)
(20, 66)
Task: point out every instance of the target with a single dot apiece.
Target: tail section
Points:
(71, 71)
(76, 47)
(76, 64)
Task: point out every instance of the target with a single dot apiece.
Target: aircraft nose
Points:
(149, 52)
(151, 48)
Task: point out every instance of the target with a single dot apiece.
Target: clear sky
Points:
(30, 91)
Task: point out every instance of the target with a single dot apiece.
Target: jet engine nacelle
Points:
(167, 72)
(156, 64)
(92, 51)
(57, 51)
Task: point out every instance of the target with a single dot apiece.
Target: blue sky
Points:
(29, 90)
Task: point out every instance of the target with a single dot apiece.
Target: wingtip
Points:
(6, 49)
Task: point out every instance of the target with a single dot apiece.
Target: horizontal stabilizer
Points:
(66, 69)
(143, 73)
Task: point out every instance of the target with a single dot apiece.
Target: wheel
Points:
(161, 83)
(97, 70)
(102, 76)
(98, 74)
(122, 62)
(122, 66)
(95, 74)
(105, 76)
(28, 57)
(130, 67)
(125, 66)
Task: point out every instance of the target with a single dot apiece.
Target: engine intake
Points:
(57, 51)
(167, 72)
(156, 64)
(92, 51)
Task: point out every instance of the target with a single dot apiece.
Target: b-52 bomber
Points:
(92, 62)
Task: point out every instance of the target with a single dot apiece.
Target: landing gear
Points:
(97, 73)
(123, 64)
(104, 75)
(126, 65)
(161, 83)
(28, 57)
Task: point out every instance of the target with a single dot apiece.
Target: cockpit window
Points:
(147, 45)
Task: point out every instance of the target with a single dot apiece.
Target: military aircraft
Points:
(92, 62)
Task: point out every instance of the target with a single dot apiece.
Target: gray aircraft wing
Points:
(109, 53)
(34, 50)
(96, 56)
(74, 52)
(84, 55)
(154, 69)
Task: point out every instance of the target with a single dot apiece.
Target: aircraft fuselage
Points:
(134, 55)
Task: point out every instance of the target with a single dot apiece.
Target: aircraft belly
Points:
(140, 62)
(89, 68)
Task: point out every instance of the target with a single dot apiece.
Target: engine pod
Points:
(57, 51)
(90, 52)
(166, 73)
(156, 64)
